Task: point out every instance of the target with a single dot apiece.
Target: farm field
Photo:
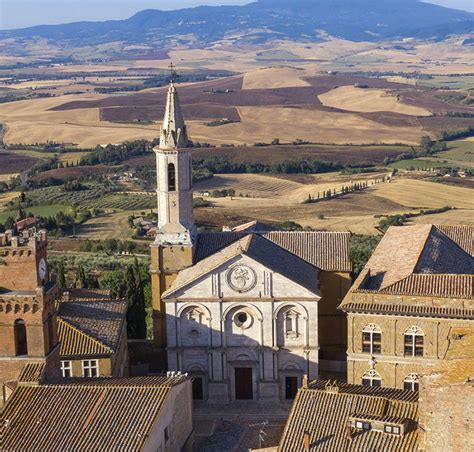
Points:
(109, 225)
(42, 211)
(423, 194)
(278, 102)
(352, 98)
(358, 212)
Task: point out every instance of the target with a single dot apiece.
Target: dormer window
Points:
(361, 425)
(393, 429)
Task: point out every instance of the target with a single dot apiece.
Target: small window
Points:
(171, 177)
(411, 383)
(414, 342)
(372, 339)
(367, 426)
(359, 425)
(21, 343)
(66, 369)
(167, 434)
(396, 430)
(371, 378)
(388, 429)
(90, 368)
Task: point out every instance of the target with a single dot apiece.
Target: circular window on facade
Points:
(241, 278)
(243, 319)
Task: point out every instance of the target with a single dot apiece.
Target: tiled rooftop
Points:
(90, 327)
(327, 251)
(419, 261)
(98, 415)
(324, 414)
(262, 250)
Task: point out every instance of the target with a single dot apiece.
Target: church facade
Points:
(246, 312)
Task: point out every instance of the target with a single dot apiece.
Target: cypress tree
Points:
(61, 275)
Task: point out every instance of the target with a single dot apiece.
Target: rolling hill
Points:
(297, 20)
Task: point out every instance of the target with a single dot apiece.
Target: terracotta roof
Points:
(253, 226)
(73, 294)
(418, 310)
(328, 251)
(420, 260)
(263, 251)
(100, 415)
(90, 327)
(32, 373)
(455, 286)
(325, 414)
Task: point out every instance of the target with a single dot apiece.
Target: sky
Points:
(26, 13)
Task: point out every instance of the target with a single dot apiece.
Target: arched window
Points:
(414, 339)
(171, 177)
(371, 378)
(411, 383)
(21, 345)
(372, 339)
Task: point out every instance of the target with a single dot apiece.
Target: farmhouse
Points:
(408, 305)
(246, 312)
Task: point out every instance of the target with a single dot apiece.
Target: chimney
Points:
(305, 381)
(349, 431)
(306, 441)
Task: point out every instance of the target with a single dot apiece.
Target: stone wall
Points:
(391, 363)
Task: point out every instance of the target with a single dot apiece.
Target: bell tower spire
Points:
(173, 248)
(174, 176)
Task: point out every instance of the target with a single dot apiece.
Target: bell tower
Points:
(28, 326)
(173, 247)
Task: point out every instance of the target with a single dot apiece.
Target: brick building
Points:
(404, 309)
(28, 325)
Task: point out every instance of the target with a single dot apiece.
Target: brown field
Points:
(276, 200)
(284, 112)
(292, 123)
(275, 77)
(75, 172)
(11, 163)
(422, 194)
(368, 100)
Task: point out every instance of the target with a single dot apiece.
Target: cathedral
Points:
(247, 312)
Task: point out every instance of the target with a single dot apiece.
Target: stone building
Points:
(404, 309)
(336, 416)
(28, 325)
(139, 413)
(92, 331)
(246, 312)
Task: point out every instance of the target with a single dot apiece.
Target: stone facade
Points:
(405, 309)
(215, 331)
(392, 364)
(239, 341)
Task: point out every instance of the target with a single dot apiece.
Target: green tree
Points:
(136, 314)
(81, 277)
(61, 274)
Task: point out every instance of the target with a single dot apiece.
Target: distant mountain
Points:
(265, 20)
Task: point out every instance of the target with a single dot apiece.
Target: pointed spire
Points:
(173, 133)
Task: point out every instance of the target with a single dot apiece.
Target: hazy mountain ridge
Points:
(265, 20)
